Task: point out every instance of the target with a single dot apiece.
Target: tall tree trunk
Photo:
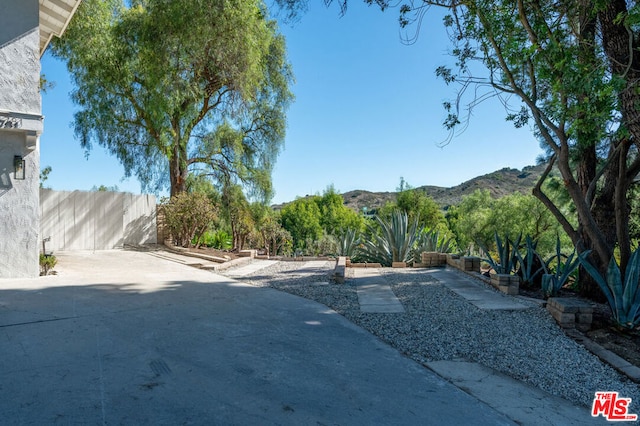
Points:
(586, 173)
(621, 46)
(622, 208)
(603, 211)
(588, 135)
(178, 170)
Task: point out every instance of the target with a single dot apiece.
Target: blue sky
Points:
(368, 111)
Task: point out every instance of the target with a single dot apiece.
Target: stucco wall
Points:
(19, 212)
(19, 56)
(20, 127)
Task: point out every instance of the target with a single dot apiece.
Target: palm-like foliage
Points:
(391, 241)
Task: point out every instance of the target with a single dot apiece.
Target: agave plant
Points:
(623, 297)
(348, 242)
(552, 283)
(529, 261)
(506, 262)
(392, 242)
(428, 240)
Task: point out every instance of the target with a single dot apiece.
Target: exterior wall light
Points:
(18, 167)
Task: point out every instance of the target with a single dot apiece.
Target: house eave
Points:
(55, 16)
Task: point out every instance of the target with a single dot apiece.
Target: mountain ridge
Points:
(499, 183)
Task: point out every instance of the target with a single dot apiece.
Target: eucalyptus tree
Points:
(178, 86)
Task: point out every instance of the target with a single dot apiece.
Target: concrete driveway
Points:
(123, 337)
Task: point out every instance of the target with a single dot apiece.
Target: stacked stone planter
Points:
(506, 283)
(431, 259)
(364, 265)
(571, 313)
(464, 263)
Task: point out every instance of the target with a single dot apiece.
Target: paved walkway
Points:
(185, 260)
(374, 293)
(522, 403)
(131, 338)
(475, 292)
(128, 338)
(525, 404)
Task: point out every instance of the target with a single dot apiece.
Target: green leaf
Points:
(602, 283)
(614, 282)
(631, 296)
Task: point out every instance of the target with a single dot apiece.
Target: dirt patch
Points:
(624, 344)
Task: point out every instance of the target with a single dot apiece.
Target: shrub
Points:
(219, 239)
(325, 245)
(277, 240)
(188, 216)
(47, 263)
(301, 218)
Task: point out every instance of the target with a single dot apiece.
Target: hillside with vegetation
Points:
(499, 183)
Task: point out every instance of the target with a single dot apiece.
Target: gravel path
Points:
(440, 325)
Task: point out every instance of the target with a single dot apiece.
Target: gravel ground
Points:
(440, 325)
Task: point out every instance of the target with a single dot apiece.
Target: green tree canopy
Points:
(417, 205)
(335, 217)
(479, 217)
(301, 218)
(178, 86)
(471, 224)
(571, 69)
(104, 188)
(44, 175)
(574, 66)
(238, 214)
(318, 219)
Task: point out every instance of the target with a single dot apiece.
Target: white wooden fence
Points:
(81, 220)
